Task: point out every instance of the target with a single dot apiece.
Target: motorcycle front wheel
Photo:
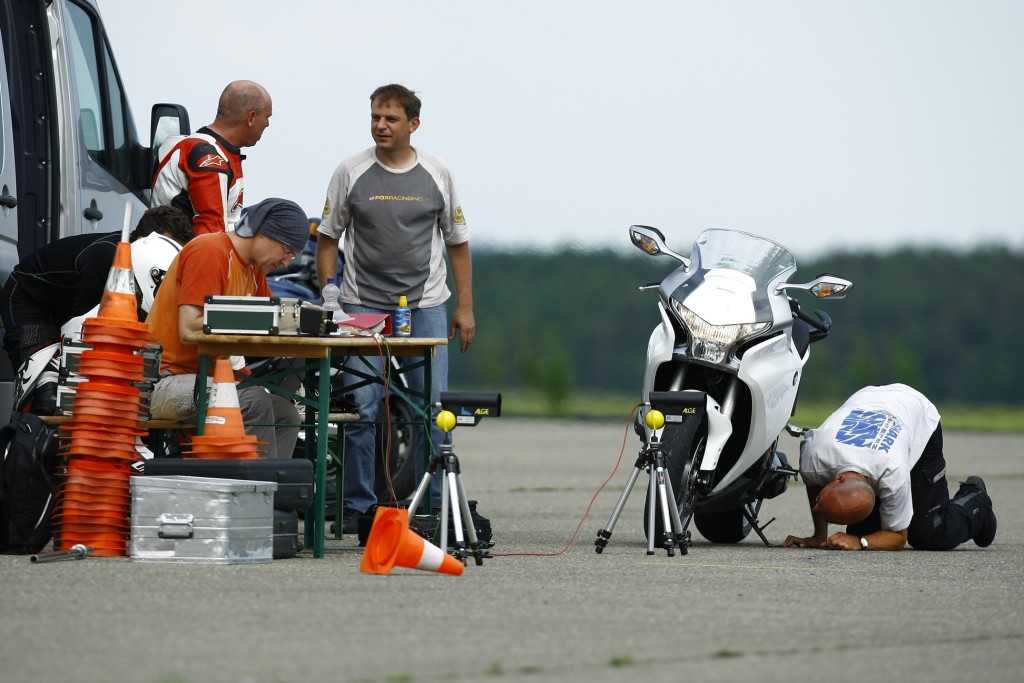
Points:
(685, 452)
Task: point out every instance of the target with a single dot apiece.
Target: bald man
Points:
(201, 174)
(876, 466)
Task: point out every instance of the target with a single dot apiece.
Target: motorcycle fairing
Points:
(771, 373)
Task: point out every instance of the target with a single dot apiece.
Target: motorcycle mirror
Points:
(652, 241)
(824, 286)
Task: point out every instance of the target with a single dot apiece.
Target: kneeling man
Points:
(876, 465)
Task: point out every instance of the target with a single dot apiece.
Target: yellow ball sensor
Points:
(446, 420)
(655, 419)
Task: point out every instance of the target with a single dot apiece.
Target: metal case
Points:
(201, 520)
(250, 315)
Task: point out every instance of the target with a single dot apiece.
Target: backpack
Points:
(28, 455)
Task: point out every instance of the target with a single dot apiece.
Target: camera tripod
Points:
(451, 487)
(660, 498)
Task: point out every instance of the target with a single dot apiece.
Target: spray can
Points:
(403, 318)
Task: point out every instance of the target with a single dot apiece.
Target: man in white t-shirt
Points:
(876, 465)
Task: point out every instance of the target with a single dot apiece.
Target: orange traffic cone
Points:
(392, 543)
(224, 417)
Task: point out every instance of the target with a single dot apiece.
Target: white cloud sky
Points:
(819, 124)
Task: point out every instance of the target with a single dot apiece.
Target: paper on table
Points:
(366, 324)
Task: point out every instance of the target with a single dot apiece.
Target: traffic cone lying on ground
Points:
(393, 544)
(224, 434)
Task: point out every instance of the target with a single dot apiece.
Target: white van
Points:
(70, 158)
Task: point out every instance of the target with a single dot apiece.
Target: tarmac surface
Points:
(545, 606)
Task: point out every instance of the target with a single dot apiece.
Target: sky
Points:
(823, 125)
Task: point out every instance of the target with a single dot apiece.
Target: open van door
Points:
(71, 160)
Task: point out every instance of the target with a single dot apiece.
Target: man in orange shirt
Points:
(267, 236)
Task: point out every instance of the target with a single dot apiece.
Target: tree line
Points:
(947, 322)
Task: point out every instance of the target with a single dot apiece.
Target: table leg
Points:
(322, 426)
(204, 369)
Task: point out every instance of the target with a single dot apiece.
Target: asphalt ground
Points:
(545, 606)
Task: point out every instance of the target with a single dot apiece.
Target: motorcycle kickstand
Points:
(758, 529)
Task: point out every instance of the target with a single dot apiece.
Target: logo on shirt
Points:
(394, 198)
(874, 429)
(212, 161)
(327, 207)
(459, 218)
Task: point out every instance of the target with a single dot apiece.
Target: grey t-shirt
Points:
(394, 225)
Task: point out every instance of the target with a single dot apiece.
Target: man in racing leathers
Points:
(201, 174)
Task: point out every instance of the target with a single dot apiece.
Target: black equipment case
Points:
(294, 477)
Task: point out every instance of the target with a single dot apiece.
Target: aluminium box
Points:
(201, 520)
(250, 315)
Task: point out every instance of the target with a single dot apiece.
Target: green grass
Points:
(611, 406)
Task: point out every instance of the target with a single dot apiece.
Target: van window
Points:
(102, 121)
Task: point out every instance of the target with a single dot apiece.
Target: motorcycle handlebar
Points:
(820, 323)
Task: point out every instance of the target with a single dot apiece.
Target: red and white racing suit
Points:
(201, 174)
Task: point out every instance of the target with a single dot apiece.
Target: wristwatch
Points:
(863, 543)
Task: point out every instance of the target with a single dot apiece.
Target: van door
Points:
(8, 178)
(102, 150)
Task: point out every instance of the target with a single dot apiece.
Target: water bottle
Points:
(403, 318)
(330, 294)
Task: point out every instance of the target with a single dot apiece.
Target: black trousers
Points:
(938, 522)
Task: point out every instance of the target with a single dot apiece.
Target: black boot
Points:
(974, 499)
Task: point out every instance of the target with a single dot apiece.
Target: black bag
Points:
(27, 484)
(427, 525)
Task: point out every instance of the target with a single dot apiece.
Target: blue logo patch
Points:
(875, 429)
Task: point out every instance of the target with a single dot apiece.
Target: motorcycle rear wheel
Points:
(394, 457)
(726, 526)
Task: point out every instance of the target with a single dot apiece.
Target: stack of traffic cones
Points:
(93, 501)
(223, 434)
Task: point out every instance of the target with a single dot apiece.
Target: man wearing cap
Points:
(267, 236)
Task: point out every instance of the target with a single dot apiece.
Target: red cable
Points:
(593, 498)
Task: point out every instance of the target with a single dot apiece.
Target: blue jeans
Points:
(359, 437)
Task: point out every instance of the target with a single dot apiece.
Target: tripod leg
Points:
(421, 490)
(606, 533)
(652, 491)
(424, 484)
(467, 520)
(667, 523)
(443, 521)
(682, 536)
(460, 542)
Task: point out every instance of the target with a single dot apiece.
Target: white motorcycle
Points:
(720, 385)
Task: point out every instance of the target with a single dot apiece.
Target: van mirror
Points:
(166, 120)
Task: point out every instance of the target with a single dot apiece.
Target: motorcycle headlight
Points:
(710, 342)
